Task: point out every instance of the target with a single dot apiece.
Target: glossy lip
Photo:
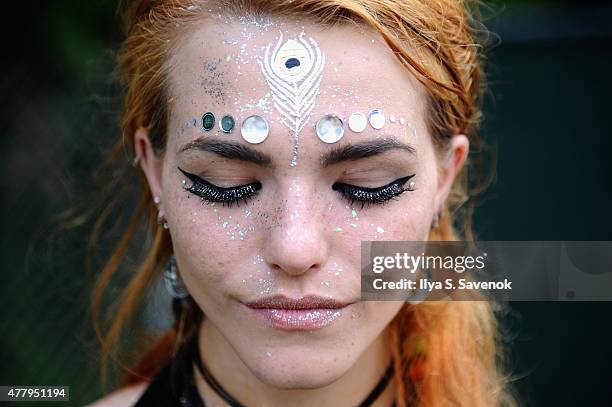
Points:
(302, 314)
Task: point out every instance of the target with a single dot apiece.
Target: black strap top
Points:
(174, 384)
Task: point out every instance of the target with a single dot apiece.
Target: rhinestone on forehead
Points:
(357, 122)
(330, 128)
(254, 129)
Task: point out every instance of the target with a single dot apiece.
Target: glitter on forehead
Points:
(264, 103)
(340, 96)
(230, 41)
(214, 81)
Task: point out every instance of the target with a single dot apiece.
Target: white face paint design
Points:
(294, 72)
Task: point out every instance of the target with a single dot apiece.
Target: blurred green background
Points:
(548, 117)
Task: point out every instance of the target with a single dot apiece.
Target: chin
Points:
(293, 372)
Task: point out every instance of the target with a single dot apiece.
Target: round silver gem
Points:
(392, 119)
(254, 129)
(330, 128)
(357, 122)
(376, 119)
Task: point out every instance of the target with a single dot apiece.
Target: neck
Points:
(349, 390)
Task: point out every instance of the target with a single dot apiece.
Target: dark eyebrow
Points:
(228, 149)
(238, 151)
(364, 149)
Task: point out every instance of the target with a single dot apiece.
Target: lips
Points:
(302, 314)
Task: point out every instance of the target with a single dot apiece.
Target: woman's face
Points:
(292, 239)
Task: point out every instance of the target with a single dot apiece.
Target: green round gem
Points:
(227, 124)
(208, 121)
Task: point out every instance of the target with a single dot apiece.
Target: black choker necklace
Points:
(221, 392)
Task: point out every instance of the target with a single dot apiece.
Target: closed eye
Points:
(226, 195)
(373, 196)
(229, 195)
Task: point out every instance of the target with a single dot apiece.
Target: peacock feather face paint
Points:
(293, 71)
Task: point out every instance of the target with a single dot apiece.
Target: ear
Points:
(150, 163)
(451, 163)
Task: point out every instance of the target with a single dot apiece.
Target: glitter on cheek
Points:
(353, 219)
(258, 259)
(337, 269)
(333, 274)
(260, 280)
(260, 283)
(265, 285)
(234, 229)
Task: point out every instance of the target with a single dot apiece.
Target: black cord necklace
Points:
(231, 401)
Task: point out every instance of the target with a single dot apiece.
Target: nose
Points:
(297, 240)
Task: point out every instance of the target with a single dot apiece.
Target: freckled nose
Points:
(297, 241)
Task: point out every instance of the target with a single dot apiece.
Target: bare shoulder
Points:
(124, 397)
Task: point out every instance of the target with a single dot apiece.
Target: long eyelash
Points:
(212, 193)
(373, 196)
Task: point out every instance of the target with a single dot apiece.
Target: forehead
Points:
(219, 66)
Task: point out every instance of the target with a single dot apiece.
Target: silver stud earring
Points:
(174, 283)
(161, 219)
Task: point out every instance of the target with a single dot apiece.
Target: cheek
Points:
(220, 249)
(405, 218)
(379, 313)
(209, 238)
